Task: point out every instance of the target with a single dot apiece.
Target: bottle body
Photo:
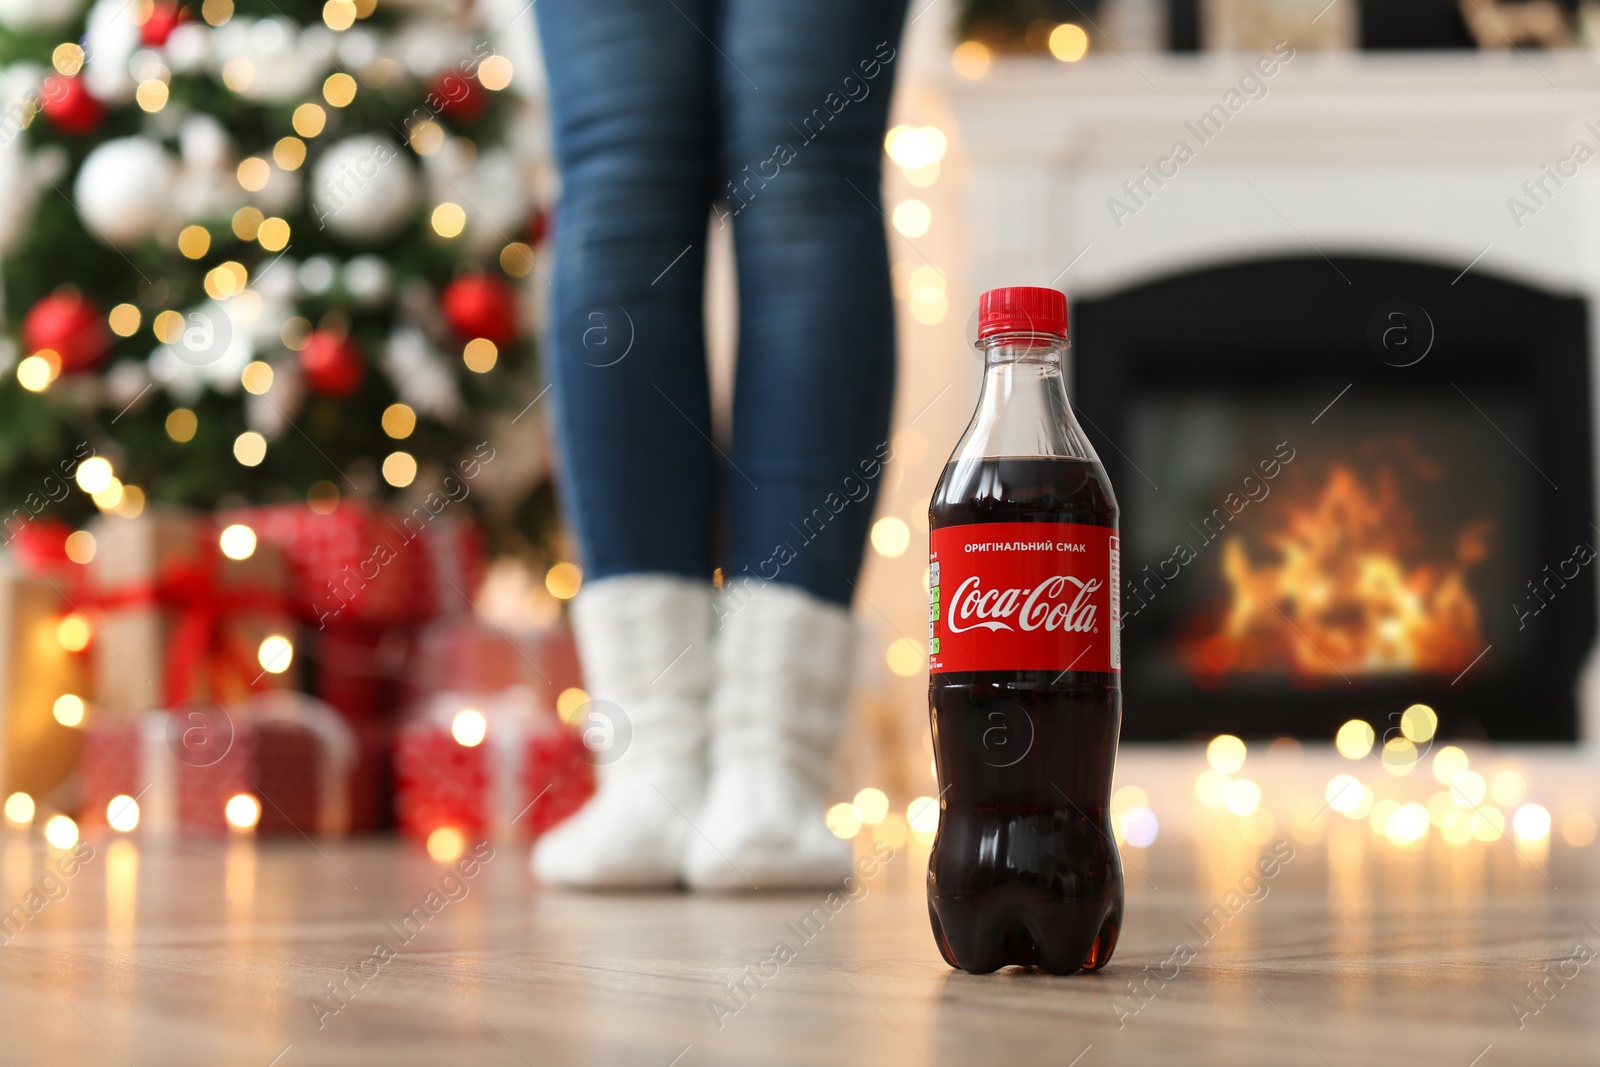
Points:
(1025, 697)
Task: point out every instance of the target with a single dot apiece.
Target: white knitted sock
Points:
(780, 703)
(646, 645)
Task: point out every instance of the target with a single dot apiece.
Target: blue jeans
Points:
(766, 116)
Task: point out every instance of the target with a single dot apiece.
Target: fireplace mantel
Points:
(1411, 155)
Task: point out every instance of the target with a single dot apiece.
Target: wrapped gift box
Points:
(515, 772)
(174, 618)
(466, 653)
(363, 579)
(295, 755)
(37, 753)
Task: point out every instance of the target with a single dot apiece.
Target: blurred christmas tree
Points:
(263, 250)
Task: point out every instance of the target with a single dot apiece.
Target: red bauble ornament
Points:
(70, 325)
(69, 105)
(333, 363)
(479, 306)
(459, 97)
(164, 18)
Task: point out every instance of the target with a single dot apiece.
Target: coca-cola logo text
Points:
(1044, 607)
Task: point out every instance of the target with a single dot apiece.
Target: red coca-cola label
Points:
(1023, 596)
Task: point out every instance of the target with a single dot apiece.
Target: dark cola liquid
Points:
(1024, 868)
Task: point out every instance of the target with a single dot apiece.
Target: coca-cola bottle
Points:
(1024, 687)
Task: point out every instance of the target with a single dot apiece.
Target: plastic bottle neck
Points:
(1023, 408)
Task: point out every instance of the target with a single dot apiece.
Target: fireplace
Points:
(1348, 485)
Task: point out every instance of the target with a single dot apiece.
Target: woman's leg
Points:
(633, 109)
(801, 175)
(804, 91)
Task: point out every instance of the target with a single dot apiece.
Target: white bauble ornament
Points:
(123, 189)
(364, 189)
(110, 40)
(368, 279)
(22, 15)
(421, 376)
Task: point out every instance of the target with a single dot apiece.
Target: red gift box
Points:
(365, 565)
(364, 578)
(294, 755)
(467, 653)
(513, 770)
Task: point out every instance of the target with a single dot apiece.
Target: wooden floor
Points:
(1356, 953)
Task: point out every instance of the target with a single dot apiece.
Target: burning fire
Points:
(1340, 597)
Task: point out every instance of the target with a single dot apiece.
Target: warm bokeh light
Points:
(1488, 824)
(449, 219)
(1508, 788)
(570, 703)
(480, 355)
(275, 654)
(971, 60)
(1343, 793)
(323, 497)
(182, 424)
(904, 657)
(563, 580)
(891, 537)
(912, 218)
(94, 474)
(1531, 822)
(19, 809)
(61, 831)
(80, 546)
(131, 506)
(237, 541)
(1469, 789)
(1069, 43)
(1418, 723)
(843, 820)
(339, 89)
(1140, 826)
(516, 259)
(36, 372)
(242, 811)
(250, 448)
(1408, 824)
(915, 147)
(256, 377)
(1399, 756)
(399, 421)
(495, 73)
(1210, 787)
(193, 242)
(122, 813)
(308, 121)
(400, 469)
(1354, 739)
(1242, 797)
(446, 844)
(872, 805)
(1579, 829)
(469, 727)
(68, 709)
(1448, 762)
(72, 633)
(254, 173)
(151, 95)
(124, 320)
(1225, 753)
(1129, 796)
(923, 815)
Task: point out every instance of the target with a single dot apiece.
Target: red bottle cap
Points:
(1025, 308)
